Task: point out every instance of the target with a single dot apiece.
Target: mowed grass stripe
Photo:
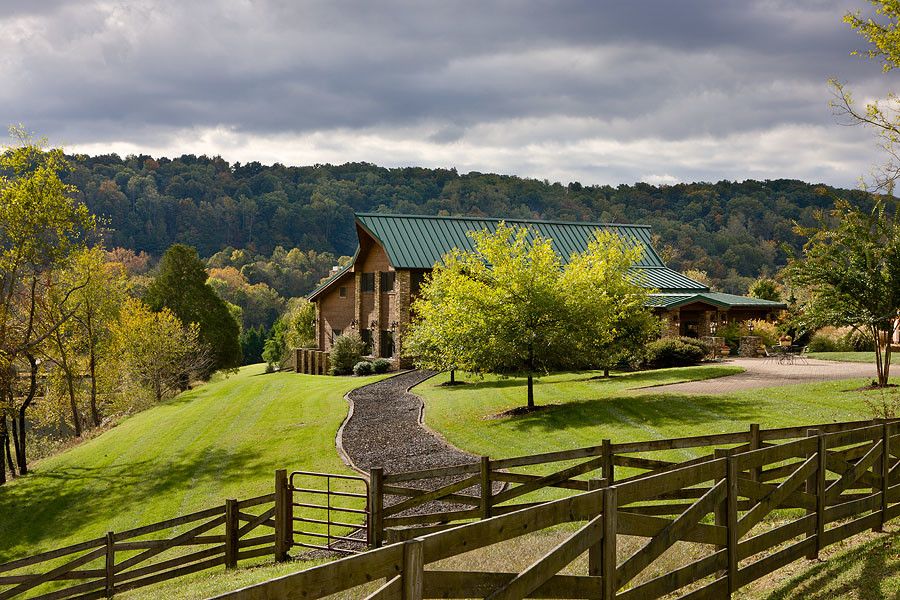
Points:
(222, 440)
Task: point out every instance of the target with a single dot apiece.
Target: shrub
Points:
(347, 351)
(731, 333)
(381, 365)
(858, 341)
(829, 339)
(767, 332)
(704, 346)
(363, 367)
(675, 352)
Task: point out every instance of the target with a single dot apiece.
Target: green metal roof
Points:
(669, 280)
(719, 299)
(735, 300)
(419, 242)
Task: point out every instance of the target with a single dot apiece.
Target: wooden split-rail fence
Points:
(219, 537)
(753, 501)
(744, 511)
(408, 504)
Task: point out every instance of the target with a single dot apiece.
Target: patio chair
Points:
(803, 356)
(769, 354)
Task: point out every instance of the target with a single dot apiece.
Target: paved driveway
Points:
(766, 373)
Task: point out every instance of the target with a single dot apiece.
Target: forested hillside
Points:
(733, 231)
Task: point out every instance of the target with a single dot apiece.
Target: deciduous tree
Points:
(41, 224)
(155, 351)
(850, 273)
(511, 306)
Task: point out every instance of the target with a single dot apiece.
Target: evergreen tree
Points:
(180, 286)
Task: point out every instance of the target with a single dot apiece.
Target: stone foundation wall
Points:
(750, 346)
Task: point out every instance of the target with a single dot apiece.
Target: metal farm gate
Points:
(330, 512)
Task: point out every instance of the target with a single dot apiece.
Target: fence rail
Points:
(748, 513)
(408, 504)
(124, 560)
(843, 479)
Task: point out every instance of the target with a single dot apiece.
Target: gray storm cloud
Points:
(603, 92)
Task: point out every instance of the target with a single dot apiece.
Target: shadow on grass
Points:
(871, 564)
(649, 410)
(638, 379)
(48, 506)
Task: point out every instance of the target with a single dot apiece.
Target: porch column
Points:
(376, 335)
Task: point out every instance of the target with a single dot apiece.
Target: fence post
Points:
(731, 521)
(885, 473)
(595, 552)
(284, 521)
(608, 466)
(110, 564)
(608, 543)
(413, 575)
(486, 490)
(720, 511)
(755, 444)
(812, 487)
(821, 473)
(231, 533)
(376, 507)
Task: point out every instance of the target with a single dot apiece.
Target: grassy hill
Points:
(222, 440)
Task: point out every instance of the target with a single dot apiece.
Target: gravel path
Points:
(385, 430)
(760, 373)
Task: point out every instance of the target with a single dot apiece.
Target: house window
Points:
(335, 334)
(387, 281)
(342, 291)
(387, 344)
(368, 282)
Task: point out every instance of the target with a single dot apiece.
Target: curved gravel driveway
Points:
(761, 373)
(385, 429)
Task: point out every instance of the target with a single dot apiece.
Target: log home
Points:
(373, 293)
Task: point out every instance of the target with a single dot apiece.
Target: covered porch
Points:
(704, 314)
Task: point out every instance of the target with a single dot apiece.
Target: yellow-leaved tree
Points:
(512, 306)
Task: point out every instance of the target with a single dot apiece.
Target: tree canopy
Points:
(180, 285)
(512, 306)
(850, 271)
(735, 231)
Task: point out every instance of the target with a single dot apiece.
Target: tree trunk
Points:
(530, 376)
(879, 366)
(73, 404)
(92, 366)
(32, 390)
(5, 454)
(4, 443)
(606, 372)
(452, 376)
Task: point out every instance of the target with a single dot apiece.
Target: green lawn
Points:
(863, 357)
(586, 410)
(221, 440)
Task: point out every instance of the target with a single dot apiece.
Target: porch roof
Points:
(716, 299)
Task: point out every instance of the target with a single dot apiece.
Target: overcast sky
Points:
(599, 92)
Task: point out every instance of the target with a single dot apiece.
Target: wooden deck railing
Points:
(747, 513)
